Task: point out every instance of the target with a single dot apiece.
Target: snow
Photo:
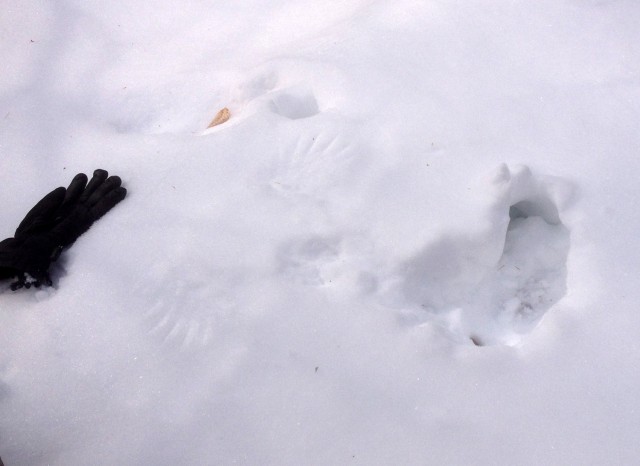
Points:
(413, 242)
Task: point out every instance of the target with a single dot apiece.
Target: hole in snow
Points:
(531, 274)
(461, 284)
(295, 104)
(539, 207)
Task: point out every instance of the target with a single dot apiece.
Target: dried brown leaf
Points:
(222, 116)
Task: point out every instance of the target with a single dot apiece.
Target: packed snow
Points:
(413, 242)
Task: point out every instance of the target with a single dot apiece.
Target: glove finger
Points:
(9, 249)
(75, 189)
(98, 178)
(112, 183)
(69, 230)
(107, 202)
(42, 212)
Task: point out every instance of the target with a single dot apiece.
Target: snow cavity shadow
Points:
(295, 104)
(494, 288)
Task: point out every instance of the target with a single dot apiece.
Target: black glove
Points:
(54, 224)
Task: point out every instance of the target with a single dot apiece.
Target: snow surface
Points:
(414, 242)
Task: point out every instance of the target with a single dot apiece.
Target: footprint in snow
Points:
(309, 261)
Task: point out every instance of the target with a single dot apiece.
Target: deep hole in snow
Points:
(531, 274)
(540, 207)
(486, 301)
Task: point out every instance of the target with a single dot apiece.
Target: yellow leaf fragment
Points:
(222, 116)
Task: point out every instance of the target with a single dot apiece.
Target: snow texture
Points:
(413, 242)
